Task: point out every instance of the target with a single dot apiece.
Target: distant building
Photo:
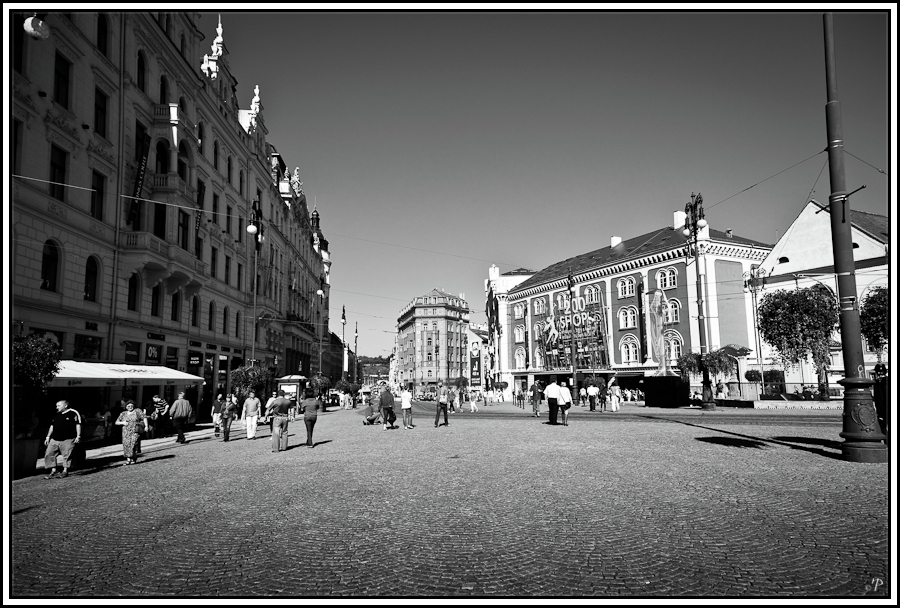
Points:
(613, 287)
(431, 339)
(803, 257)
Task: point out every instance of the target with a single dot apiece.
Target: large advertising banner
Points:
(581, 322)
(475, 364)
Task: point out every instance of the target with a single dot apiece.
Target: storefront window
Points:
(86, 347)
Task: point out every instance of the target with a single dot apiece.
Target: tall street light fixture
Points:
(255, 229)
(570, 285)
(754, 280)
(344, 343)
(694, 222)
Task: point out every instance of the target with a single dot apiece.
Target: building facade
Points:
(499, 349)
(431, 340)
(608, 317)
(136, 175)
(803, 257)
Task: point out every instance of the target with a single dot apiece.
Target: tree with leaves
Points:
(873, 316)
(320, 384)
(460, 382)
(799, 323)
(35, 364)
(718, 362)
(250, 377)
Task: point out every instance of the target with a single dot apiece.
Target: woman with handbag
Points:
(133, 421)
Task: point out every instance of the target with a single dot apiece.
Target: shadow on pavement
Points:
(108, 462)
(776, 441)
(733, 442)
(828, 443)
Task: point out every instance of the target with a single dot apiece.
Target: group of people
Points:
(559, 398)
(381, 408)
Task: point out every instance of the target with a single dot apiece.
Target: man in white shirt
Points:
(552, 393)
(593, 392)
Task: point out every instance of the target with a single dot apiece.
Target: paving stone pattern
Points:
(493, 506)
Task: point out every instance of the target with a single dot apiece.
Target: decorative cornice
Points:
(103, 80)
(57, 121)
(100, 148)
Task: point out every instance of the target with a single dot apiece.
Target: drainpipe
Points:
(119, 183)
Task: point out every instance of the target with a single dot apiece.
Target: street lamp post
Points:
(355, 352)
(862, 435)
(694, 222)
(754, 280)
(345, 357)
(570, 284)
(255, 230)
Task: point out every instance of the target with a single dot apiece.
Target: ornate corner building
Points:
(135, 177)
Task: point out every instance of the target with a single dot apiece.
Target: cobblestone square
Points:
(497, 504)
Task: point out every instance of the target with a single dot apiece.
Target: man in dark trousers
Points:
(552, 393)
(386, 401)
(180, 412)
(443, 398)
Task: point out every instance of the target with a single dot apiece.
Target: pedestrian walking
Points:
(592, 393)
(582, 396)
(535, 391)
(443, 396)
(615, 396)
(180, 412)
(406, 407)
(160, 416)
(552, 394)
(473, 407)
(229, 413)
(132, 420)
(217, 407)
(64, 433)
(604, 396)
(279, 413)
(250, 414)
(386, 401)
(565, 403)
(310, 408)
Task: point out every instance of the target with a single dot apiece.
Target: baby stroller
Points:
(371, 416)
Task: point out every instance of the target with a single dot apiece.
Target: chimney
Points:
(615, 241)
(678, 220)
(729, 233)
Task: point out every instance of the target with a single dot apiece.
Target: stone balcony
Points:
(158, 261)
(171, 114)
(171, 183)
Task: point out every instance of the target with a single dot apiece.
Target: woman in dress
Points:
(132, 421)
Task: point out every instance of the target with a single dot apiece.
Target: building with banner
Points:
(596, 307)
(497, 286)
(432, 340)
(135, 177)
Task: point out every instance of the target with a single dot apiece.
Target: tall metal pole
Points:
(861, 432)
(694, 222)
(570, 282)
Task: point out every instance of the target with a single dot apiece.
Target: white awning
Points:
(83, 373)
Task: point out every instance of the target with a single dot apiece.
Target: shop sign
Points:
(212, 347)
(225, 349)
(153, 336)
(172, 357)
(238, 351)
(195, 359)
(196, 343)
(153, 354)
(91, 325)
(132, 352)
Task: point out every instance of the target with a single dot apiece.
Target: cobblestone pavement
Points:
(490, 506)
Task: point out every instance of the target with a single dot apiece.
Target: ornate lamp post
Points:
(754, 280)
(255, 229)
(345, 357)
(694, 222)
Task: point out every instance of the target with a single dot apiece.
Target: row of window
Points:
(627, 319)
(50, 273)
(629, 351)
(666, 278)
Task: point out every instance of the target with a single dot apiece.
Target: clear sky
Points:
(524, 139)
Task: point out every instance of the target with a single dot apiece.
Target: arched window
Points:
(562, 300)
(212, 317)
(162, 157)
(241, 182)
(163, 90)
(237, 325)
(667, 278)
(520, 310)
(429, 373)
(176, 307)
(591, 295)
(520, 358)
(91, 272)
(168, 27)
(520, 333)
(428, 341)
(49, 266)
(629, 349)
(539, 307)
(672, 311)
(428, 357)
(216, 155)
(538, 330)
(183, 162)
(225, 321)
(674, 346)
(201, 135)
(229, 170)
(102, 34)
(627, 317)
(626, 287)
(141, 72)
(134, 292)
(195, 312)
